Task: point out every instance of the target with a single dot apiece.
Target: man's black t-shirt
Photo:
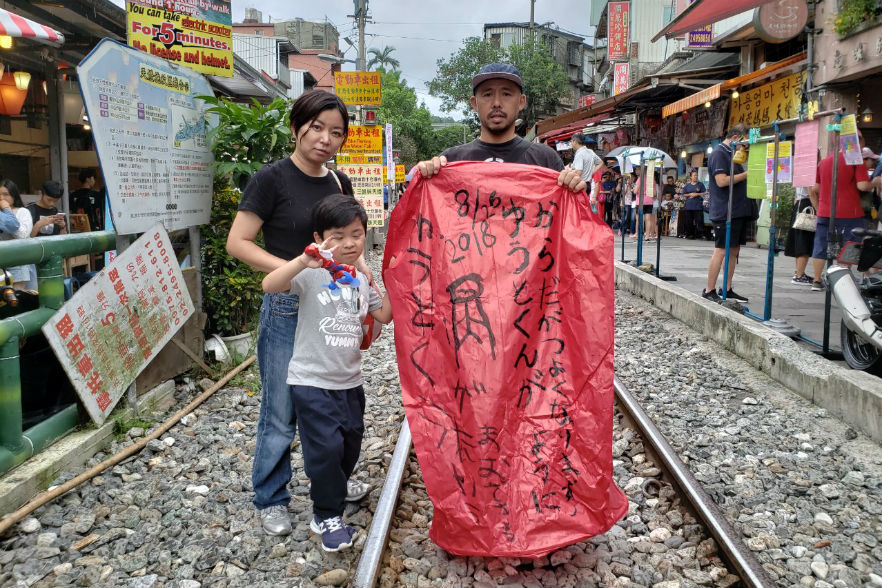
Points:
(283, 197)
(517, 150)
(91, 202)
(718, 163)
(38, 211)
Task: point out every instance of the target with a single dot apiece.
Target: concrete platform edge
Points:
(853, 397)
(21, 484)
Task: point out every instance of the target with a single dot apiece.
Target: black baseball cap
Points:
(493, 71)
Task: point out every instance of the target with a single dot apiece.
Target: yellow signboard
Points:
(765, 104)
(364, 140)
(184, 36)
(367, 181)
(399, 173)
(359, 158)
(358, 87)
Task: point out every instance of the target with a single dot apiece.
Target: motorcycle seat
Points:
(861, 233)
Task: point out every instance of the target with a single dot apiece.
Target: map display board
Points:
(149, 130)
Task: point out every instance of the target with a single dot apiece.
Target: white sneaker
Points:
(275, 520)
(356, 490)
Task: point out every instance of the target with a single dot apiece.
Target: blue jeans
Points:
(277, 425)
(627, 219)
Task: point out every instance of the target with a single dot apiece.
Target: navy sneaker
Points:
(336, 534)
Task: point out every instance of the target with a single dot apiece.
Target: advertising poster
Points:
(367, 181)
(622, 77)
(500, 277)
(358, 87)
(618, 30)
(149, 130)
(365, 139)
(849, 144)
(700, 38)
(756, 172)
(359, 158)
(399, 173)
(113, 326)
(765, 104)
(198, 35)
(785, 162)
(805, 159)
(390, 161)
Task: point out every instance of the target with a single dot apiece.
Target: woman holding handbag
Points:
(800, 240)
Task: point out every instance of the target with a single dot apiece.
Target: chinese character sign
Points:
(399, 173)
(765, 104)
(618, 30)
(108, 332)
(367, 181)
(196, 34)
(364, 139)
(700, 38)
(359, 158)
(849, 144)
(500, 277)
(587, 100)
(621, 77)
(785, 162)
(358, 87)
(805, 160)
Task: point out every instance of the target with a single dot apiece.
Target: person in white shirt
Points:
(585, 161)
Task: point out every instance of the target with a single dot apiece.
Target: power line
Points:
(415, 38)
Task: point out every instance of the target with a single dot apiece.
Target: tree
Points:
(545, 82)
(411, 122)
(382, 58)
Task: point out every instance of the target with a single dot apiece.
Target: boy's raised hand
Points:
(317, 255)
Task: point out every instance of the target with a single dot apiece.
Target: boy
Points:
(325, 368)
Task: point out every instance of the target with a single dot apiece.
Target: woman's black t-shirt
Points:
(283, 197)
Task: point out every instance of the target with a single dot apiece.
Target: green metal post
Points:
(10, 396)
(50, 282)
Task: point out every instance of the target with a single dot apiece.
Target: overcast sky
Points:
(420, 31)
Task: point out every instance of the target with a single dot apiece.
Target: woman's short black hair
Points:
(311, 104)
(13, 191)
(336, 211)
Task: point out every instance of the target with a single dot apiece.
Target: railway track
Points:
(733, 553)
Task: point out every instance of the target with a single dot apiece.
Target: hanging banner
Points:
(849, 144)
(762, 106)
(390, 160)
(364, 139)
(587, 100)
(149, 125)
(805, 160)
(358, 87)
(785, 162)
(399, 173)
(499, 280)
(756, 172)
(113, 326)
(367, 181)
(622, 77)
(196, 34)
(618, 30)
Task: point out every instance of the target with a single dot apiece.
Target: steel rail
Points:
(375, 545)
(741, 559)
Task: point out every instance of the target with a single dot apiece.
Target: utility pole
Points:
(532, 16)
(360, 18)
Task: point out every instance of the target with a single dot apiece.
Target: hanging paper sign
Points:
(849, 144)
(618, 29)
(358, 87)
(399, 173)
(500, 277)
(785, 162)
(367, 182)
(765, 104)
(756, 172)
(364, 139)
(805, 161)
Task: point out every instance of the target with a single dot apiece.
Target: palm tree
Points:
(382, 58)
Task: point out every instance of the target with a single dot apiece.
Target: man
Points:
(86, 200)
(497, 98)
(44, 212)
(719, 166)
(849, 213)
(584, 160)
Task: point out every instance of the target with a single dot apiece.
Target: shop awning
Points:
(545, 127)
(568, 131)
(704, 12)
(14, 25)
(715, 91)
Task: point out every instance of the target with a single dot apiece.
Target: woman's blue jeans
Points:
(277, 425)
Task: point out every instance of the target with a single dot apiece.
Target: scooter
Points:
(860, 299)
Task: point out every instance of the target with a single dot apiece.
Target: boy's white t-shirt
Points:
(326, 345)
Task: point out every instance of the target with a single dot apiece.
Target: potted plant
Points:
(244, 138)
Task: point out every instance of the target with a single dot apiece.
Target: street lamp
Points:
(334, 58)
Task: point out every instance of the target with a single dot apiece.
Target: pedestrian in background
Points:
(719, 165)
(16, 223)
(278, 202)
(45, 216)
(800, 243)
(585, 160)
(693, 209)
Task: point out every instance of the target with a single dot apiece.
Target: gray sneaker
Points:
(275, 520)
(356, 490)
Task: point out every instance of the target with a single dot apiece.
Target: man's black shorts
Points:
(739, 233)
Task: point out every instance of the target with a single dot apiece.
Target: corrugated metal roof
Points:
(708, 60)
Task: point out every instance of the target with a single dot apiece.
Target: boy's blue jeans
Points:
(331, 429)
(277, 424)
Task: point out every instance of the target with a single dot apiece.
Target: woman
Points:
(16, 223)
(627, 204)
(650, 227)
(278, 202)
(800, 243)
(694, 191)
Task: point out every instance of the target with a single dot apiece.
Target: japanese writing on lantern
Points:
(497, 246)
